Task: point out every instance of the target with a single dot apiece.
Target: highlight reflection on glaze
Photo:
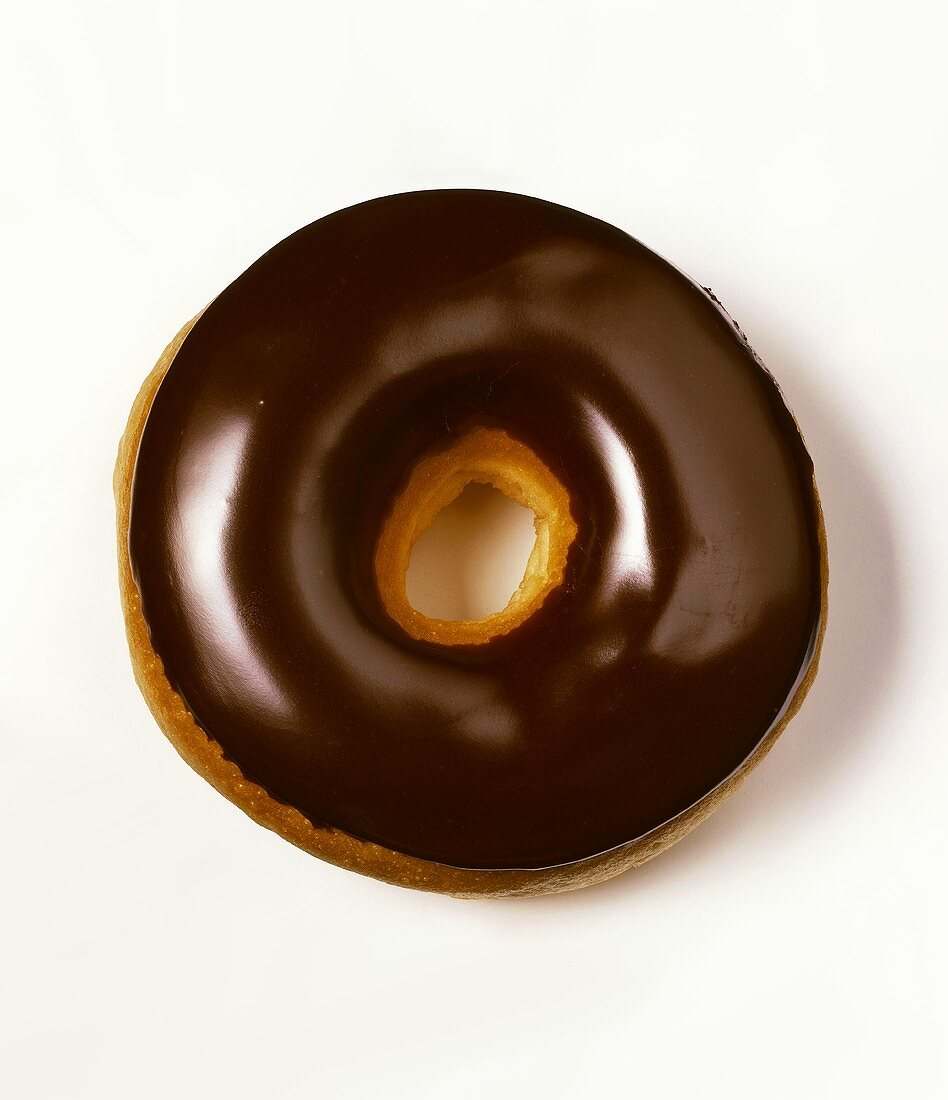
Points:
(295, 410)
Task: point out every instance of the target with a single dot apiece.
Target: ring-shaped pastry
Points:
(298, 436)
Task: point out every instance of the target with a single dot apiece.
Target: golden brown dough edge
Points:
(333, 845)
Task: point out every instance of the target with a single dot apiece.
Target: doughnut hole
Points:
(472, 558)
(438, 484)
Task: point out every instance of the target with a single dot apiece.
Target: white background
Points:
(156, 943)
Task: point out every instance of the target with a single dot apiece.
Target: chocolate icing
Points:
(294, 412)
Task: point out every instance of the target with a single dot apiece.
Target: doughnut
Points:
(298, 436)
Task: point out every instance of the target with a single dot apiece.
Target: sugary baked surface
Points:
(475, 452)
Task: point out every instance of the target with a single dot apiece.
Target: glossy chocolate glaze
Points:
(292, 415)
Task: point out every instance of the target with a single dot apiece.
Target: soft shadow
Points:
(863, 648)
